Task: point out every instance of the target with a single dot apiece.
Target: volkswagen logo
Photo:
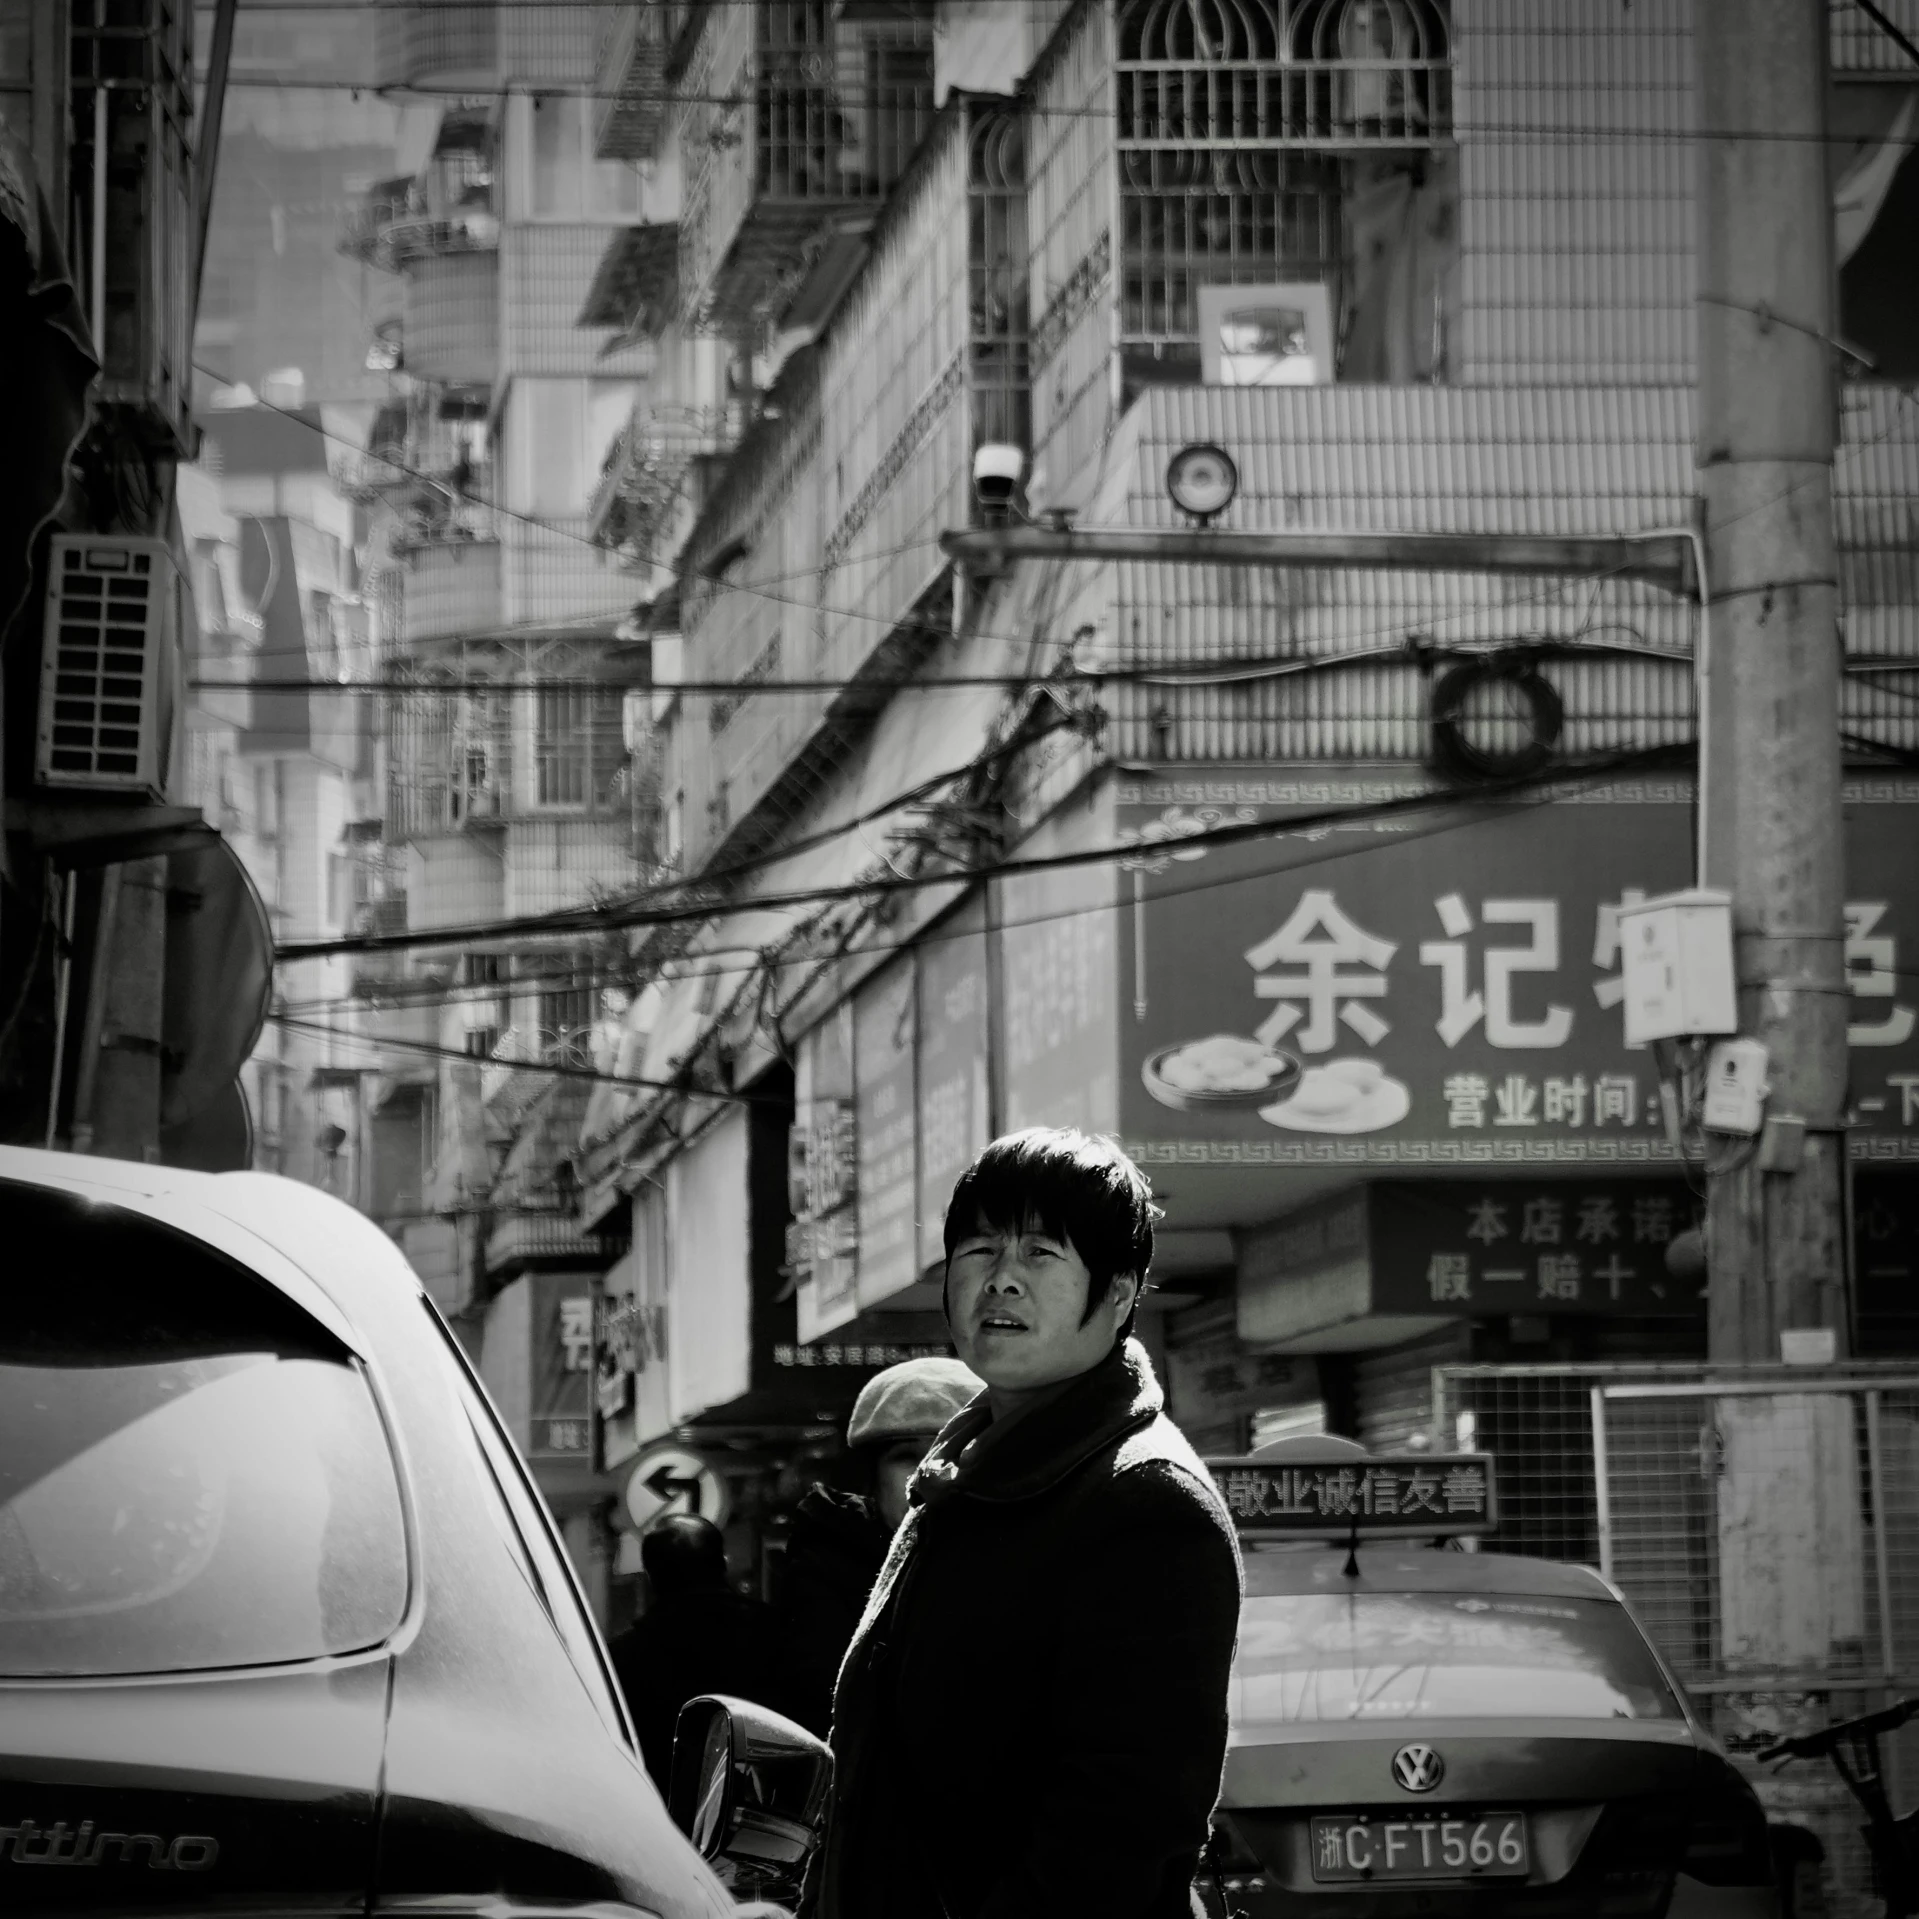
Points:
(1418, 1768)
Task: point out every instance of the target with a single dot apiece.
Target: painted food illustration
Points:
(1343, 1096)
(1223, 1070)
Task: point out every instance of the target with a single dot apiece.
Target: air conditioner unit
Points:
(108, 663)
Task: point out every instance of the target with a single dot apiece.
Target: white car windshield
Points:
(1313, 1658)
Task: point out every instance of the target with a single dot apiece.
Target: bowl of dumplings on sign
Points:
(1342, 1096)
(1222, 1073)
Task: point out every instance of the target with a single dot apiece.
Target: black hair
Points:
(684, 1553)
(1071, 1186)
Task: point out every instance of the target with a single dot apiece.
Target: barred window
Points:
(577, 745)
(1239, 124)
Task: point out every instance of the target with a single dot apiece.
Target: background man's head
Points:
(1049, 1238)
(682, 1555)
(898, 1416)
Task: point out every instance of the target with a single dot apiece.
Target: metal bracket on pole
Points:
(1664, 560)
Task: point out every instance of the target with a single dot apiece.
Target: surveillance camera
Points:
(996, 476)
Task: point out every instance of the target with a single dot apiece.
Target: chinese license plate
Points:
(1432, 1845)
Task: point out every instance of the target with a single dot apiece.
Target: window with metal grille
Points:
(577, 746)
(1238, 128)
(997, 280)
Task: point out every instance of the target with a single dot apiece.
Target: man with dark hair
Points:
(1032, 1717)
(697, 1635)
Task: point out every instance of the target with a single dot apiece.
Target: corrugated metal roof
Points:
(1540, 460)
(1860, 45)
(1429, 459)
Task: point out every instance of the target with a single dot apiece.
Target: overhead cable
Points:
(594, 919)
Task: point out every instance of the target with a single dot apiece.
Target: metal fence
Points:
(1762, 1520)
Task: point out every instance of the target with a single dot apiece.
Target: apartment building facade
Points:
(1413, 269)
(505, 778)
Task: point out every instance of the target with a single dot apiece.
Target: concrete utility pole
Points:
(1770, 818)
(1790, 1556)
(117, 1101)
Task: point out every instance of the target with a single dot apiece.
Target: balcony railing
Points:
(798, 119)
(511, 1080)
(447, 208)
(647, 469)
(524, 1240)
(629, 78)
(459, 761)
(448, 510)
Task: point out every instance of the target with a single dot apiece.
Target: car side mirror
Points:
(749, 1788)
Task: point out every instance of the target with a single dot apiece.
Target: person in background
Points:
(1031, 1720)
(697, 1635)
(840, 1534)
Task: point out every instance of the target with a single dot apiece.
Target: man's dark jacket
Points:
(713, 1640)
(1031, 1721)
(833, 1555)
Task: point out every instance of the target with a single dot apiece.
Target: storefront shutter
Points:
(1394, 1388)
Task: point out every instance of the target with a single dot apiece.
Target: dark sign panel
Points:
(1426, 1495)
(1591, 1247)
(1443, 989)
(560, 1422)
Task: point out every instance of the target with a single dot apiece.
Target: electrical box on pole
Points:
(1677, 963)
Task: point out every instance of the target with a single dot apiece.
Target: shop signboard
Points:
(1885, 1233)
(560, 1421)
(886, 1112)
(955, 1121)
(1426, 1494)
(1579, 1246)
(823, 1178)
(1060, 999)
(1213, 1381)
(1414, 1253)
(1441, 988)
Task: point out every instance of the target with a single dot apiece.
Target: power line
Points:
(1226, 671)
(555, 1069)
(587, 920)
(854, 95)
(746, 960)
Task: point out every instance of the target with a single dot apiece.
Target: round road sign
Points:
(665, 1480)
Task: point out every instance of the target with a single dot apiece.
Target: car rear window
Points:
(193, 1472)
(1317, 1657)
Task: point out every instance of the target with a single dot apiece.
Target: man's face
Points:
(1016, 1302)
